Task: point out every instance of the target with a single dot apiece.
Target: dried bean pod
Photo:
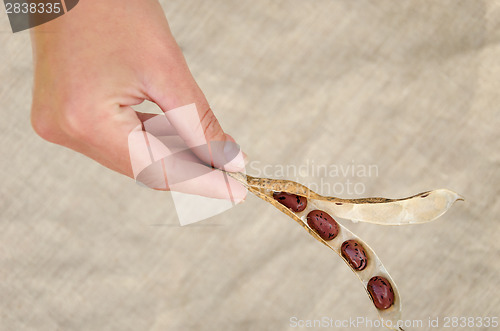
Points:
(420, 208)
(388, 316)
(423, 207)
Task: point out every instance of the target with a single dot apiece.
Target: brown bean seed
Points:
(294, 202)
(380, 290)
(355, 254)
(323, 224)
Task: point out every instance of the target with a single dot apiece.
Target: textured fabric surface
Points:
(409, 87)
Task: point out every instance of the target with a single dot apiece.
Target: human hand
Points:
(103, 57)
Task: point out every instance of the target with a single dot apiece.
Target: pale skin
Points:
(97, 61)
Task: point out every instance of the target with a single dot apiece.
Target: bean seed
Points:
(355, 254)
(380, 290)
(294, 202)
(323, 224)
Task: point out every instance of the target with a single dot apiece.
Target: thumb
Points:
(187, 109)
(202, 133)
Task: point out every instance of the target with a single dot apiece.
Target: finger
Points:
(159, 126)
(186, 108)
(203, 134)
(185, 174)
(158, 165)
(144, 116)
(156, 124)
(245, 156)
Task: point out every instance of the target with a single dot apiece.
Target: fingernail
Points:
(234, 156)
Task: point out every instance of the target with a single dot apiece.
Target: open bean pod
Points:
(420, 208)
(314, 213)
(373, 267)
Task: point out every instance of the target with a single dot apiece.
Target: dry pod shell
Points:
(420, 208)
(423, 207)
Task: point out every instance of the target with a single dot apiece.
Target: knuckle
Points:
(44, 125)
(74, 117)
(53, 123)
(74, 123)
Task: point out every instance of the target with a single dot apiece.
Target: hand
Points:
(104, 56)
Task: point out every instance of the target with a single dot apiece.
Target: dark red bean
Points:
(294, 202)
(380, 290)
(323, 224)
(354, 253)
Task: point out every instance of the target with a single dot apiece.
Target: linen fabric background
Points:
(411, 87)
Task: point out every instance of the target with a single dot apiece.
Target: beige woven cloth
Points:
(410, 87)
